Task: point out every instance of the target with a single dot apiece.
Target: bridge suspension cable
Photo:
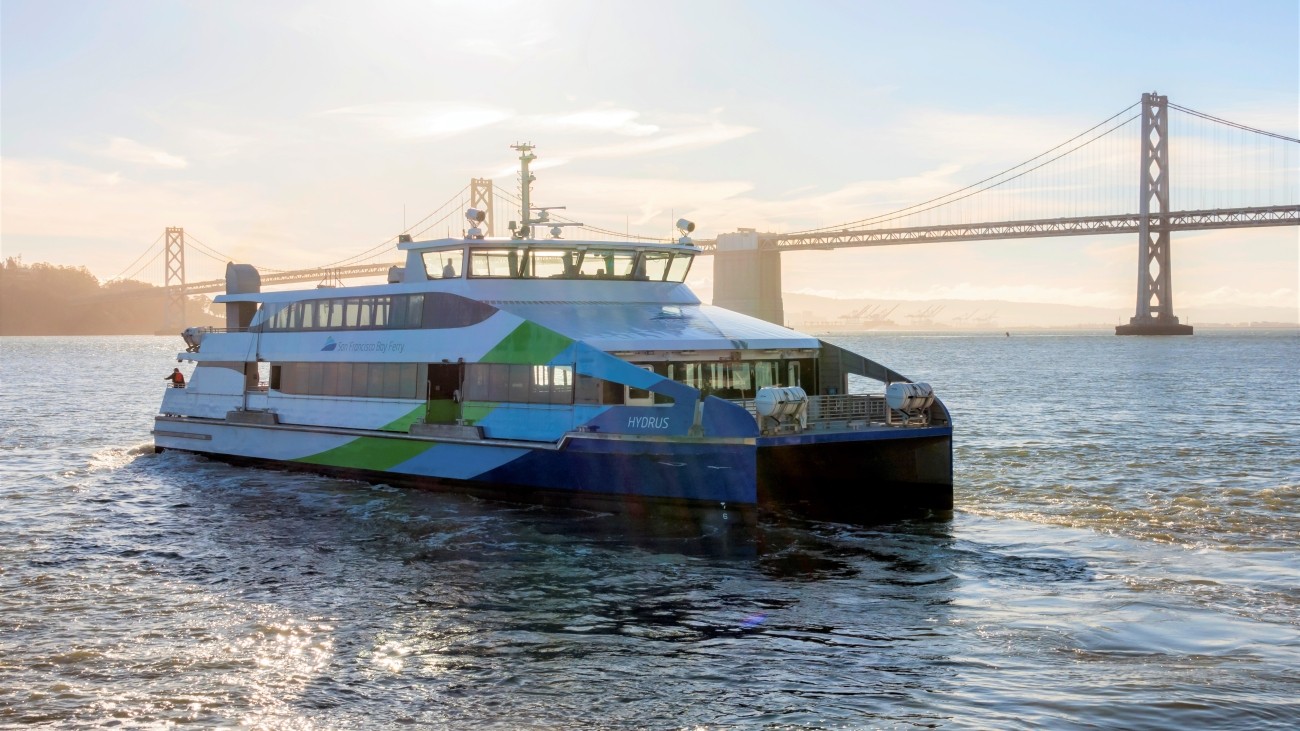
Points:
(379, 249)
(201, 248)
(1066, 191)
(594, 229)
(144, 266)
(137, 259)
(949, 197)
(1229, 123)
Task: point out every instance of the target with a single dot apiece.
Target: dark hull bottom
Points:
(856, 482)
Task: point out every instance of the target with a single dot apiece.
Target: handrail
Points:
(205, 329)
(847, 407)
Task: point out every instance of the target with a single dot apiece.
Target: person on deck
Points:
(176, 377)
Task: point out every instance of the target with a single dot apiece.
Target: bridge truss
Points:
(1043, 228)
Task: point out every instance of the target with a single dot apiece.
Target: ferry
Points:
(549, 370)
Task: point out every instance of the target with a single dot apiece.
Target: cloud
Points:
(617, 121)
(485, 47)
(126, 150)
(500, 50)
(214, 144)
(423, 119)
(678, 134)
(713, 133)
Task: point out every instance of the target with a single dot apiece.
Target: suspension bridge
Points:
(1152, 169)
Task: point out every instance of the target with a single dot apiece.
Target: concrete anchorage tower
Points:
(1155, 292)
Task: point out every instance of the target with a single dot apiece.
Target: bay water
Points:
(1125, 553)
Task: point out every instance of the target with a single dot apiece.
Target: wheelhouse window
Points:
(654, 265)
(444, 264)
(550, 264)
(527, 262)
(607, 264)
(501, 263)
(680, 266)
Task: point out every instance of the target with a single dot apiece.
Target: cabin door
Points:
(444, 385)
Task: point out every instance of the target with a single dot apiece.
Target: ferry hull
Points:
(860, 477)
(856, 476)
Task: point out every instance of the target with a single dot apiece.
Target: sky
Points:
(292, 134)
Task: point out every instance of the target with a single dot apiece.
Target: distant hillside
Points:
(823, 313)
(44, 299)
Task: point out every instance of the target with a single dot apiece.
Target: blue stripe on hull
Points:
(660, 470)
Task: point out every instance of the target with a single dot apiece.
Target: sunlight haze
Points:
(292, 134)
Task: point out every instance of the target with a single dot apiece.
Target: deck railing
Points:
(836, 412)
(846, 407)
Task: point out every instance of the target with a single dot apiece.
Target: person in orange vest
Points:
(176, 377)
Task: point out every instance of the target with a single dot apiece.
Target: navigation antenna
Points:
(523, 229)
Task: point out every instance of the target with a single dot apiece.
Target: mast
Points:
(525, 228)
(525, 189)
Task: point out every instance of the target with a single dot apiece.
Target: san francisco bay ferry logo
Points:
(367, 346)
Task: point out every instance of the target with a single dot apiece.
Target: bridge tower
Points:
(480, 197)
(1155, 292)
(174, 281)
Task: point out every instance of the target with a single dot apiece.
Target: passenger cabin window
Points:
(444, 264)
(348, 380)
(738, 379)
(633, 396)
(519, 383)
(387, 312)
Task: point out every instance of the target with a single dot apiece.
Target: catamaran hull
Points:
(859, 476)
(829, 475)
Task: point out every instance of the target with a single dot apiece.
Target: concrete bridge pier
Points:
(747, 275)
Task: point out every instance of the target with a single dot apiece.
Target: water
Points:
(1126, 554)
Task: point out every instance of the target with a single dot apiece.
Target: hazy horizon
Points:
(295, 134)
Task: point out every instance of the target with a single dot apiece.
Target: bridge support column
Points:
(747, 276)
(1155, 292)
(174, 282)
(480, 197)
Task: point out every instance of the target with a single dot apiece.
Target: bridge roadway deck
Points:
(1041, 228)
(824, 240)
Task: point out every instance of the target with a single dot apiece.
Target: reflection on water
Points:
(141, 589)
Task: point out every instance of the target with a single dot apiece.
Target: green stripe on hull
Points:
(529, 343)
(403, 423)
(369, 453)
